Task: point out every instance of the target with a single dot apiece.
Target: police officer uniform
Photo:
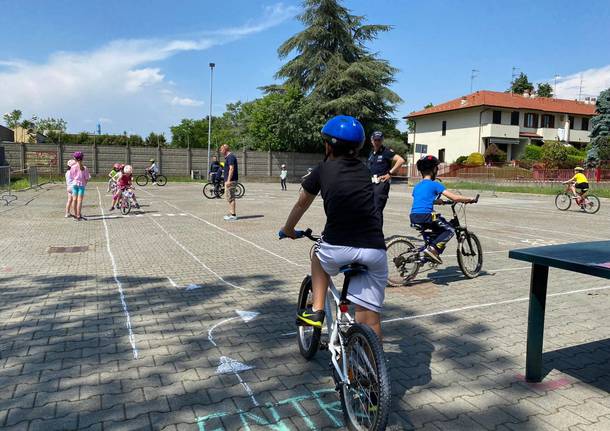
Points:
(380, 163)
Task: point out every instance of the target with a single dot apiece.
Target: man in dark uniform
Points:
(383, 163)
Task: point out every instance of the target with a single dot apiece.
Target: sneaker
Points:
(230, 217)
(68, 216)
(112, 208)
(432, 254)
(137, 206)
(310, 318)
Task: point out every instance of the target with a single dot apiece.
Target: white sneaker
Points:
(229, 217)
(67, 216)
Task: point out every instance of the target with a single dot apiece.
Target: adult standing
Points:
(231, 175)
(80, 177)
(283, 176)
(383, 163)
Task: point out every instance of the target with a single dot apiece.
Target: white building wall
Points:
(462, 136)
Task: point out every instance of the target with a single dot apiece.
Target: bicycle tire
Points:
(209, 191)
(375, 385)
(142, 180)
(400, 253)
(240, 190)
(464, 249)
(563, 201)
(161, 180)
(125, 206)
(595, 204)
(308, 337)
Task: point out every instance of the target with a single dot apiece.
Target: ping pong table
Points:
(592, 258)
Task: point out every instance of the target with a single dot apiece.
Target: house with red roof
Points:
(471, 123)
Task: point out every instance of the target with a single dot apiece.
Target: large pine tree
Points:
(333, 67)
(599, 148)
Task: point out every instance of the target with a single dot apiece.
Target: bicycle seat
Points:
(353, 269)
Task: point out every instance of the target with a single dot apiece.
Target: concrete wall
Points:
(52, 159)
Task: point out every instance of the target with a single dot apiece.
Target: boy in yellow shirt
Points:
(579, 185)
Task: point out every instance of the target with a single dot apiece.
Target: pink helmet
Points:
(127, 169)
(78, 155)
(116, 166)
(71, 163)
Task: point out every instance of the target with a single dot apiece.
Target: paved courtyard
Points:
(171, 318)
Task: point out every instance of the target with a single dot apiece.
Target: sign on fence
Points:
(46, 161)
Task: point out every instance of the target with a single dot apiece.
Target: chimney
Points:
(463, 101)
(526, 94)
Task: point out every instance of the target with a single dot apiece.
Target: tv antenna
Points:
(512, 79)
(473, 74)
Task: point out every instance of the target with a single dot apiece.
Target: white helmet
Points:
(283, 166)
(127, 169)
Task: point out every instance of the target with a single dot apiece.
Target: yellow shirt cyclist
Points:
(578, 183)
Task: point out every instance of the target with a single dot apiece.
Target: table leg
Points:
(535, 323)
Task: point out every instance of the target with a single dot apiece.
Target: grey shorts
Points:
(366, 290)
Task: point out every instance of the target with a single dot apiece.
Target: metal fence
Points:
(6, 194)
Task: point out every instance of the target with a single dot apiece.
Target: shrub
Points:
(532, 152)
(554, 154)
(475, 159)
(572, 161)
(460, 160)
(493, 154)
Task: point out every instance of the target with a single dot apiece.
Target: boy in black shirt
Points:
(353, 226)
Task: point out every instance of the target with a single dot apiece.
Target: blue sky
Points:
(141, 66)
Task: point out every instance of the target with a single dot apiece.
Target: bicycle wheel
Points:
(142, 180)
(125, 206)
(220, 191)
(208, 191)
(366, 399)
(161, 180)
(470, 254)
(308, 336)
(563, 201)
(403, 263)
(591, 204)
(240, 190)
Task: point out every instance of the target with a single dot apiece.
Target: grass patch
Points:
(20, 184)
(537, 190)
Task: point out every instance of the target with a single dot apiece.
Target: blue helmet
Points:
(345, 130)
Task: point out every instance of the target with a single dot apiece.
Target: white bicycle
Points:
(357, 359)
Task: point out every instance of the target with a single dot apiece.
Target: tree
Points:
(599, 148)
(333, 67)
(45, 125)
(154, 140)
(521, 84)
(429, 105)
(13, 118)
(544, 90)
(554, 154)
(493, 154)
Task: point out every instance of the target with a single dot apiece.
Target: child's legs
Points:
(443, 233)
(69, 203)
(320, 281)
(370, 318)
(79, 204)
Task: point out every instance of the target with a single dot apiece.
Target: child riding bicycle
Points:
(578, 185)
(153, 170)
(114, 176)
(124, 183)
(353, 232)
(425, 195)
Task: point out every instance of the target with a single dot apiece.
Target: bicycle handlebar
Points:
(450, 202)
(307, 233)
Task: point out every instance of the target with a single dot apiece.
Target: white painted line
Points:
(491, 271)
(242, 239)
(171, 215)
(195, 257)
(193, 286)
(172, 282)
(145, 191)
(156, 215)
(246, 316)
(139, 215)
(132, 338)
(228, 365)
(183, 214)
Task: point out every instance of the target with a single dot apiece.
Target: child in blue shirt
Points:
(425, 193)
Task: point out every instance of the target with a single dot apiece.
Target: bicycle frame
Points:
(335, 339)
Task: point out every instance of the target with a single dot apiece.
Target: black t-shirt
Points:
(380, 162)
(231, 160)
(347, 191)
(215, 167)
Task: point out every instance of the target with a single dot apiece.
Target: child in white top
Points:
(283, 176)
(69, 185)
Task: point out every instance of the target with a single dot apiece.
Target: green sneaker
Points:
(310, 318)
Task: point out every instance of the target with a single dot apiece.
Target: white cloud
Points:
(117, 77)
(185, 101)
(593, 82)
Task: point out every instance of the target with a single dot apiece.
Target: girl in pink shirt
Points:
(79, 175)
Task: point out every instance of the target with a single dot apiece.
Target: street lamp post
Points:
(210, 119)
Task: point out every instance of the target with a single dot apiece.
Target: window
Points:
(514, 118)
(585, 124)
(421, 148)
(530, 120)
(441, 155)
(444, 131)
(571, 120)
(548, 121)
(497, 117)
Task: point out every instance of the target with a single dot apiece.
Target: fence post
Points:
(189, 161)
(127, 154)
(60, 159)
(94, 158)
(22, 155)
(159, 155)
(269, 160)
(245, 162)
